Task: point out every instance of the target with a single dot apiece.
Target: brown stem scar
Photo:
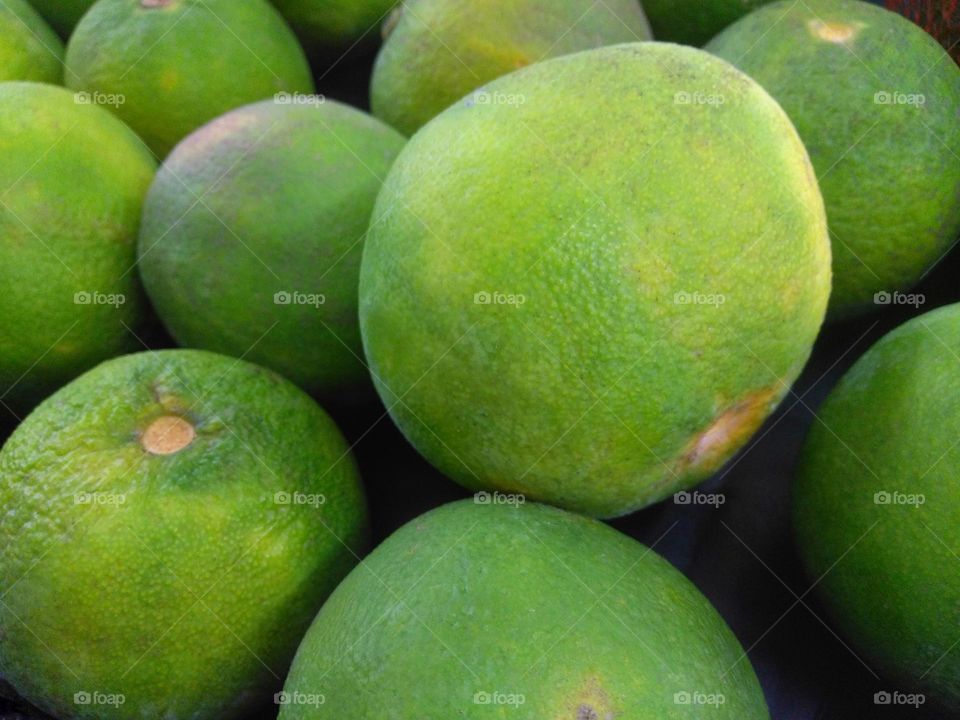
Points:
(167, 435)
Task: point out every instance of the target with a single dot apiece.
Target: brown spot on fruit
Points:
(167, 435)
(711, 448)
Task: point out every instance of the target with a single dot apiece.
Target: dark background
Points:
(741, 555)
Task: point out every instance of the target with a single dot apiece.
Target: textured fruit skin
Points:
(440, 50)
(694, 22)
(888, 172)
(29, 49)
(190, 596)
(63, 15)
(75, 178)
(288, 191)
(334, 24)
(581, 620)
(940, 18)
(889, 570)
(602, 392)
(204, 59)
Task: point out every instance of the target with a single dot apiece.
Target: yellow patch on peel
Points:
(834, 32)
(167, 435)
(589, 702)
(728, 432)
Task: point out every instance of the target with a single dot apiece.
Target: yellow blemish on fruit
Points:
(833, 32)
(712, 447)
(167, 435)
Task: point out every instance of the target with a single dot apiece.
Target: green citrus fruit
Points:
(332, 25)
(29, 49)
(63, 15)
(267, 266)
(876, 105)
(693, 22)
(172, 523)
(876, 505)
(475, 611)
(175, 64)
(437, 51)
(73, 180)
(547, 311)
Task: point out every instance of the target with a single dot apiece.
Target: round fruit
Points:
(547, 311)
(334, 24)
(693, 22)
(876, 105)
(530, 611)
(63, 15)
(172, 523)
(876, 504)
(437, 51)
(29, 49)
(173, 65)
(74, 179)
(267, 266)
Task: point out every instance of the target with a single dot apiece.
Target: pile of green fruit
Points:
(578, 264)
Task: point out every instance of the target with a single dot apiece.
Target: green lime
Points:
(438, 51)
(547, 310)
(876, 105)
(500, 611)
(267, 266)
(876, 505)
(173, 65)
(72, 184)
(173, 521)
